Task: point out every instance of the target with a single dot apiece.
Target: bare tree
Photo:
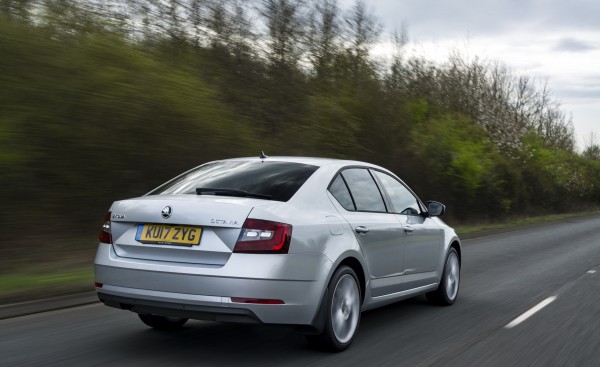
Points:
(363, 30)
(242, 34)
(196, 17)
(218, 23)
(591, 148)
(395, 80)
(230, 28)
(175, 27)
(17, 9)
(285, 20)
(323, 37)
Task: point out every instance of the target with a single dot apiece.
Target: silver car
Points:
(307, 242)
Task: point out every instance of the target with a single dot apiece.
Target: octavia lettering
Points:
(224, 221)
(168, 235)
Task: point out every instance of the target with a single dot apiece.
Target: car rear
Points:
(211, 244)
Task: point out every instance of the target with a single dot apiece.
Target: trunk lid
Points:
(220, 220)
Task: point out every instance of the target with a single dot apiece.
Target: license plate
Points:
(168, 235)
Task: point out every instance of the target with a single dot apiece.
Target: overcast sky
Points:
(557, 41)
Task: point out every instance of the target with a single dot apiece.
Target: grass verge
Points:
(36, 284)
(520, 222)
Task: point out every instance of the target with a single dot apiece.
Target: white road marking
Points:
(530, 313)
(591, 271)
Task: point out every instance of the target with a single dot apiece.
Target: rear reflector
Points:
(265, 237)
(105, 235)
(98, 284)
(257, 301)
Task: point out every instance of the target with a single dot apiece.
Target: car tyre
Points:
(447, 292)
(162, 322)
(342, 312)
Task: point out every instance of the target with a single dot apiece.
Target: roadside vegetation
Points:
(103, 100)
(484, 229)
(34, 283)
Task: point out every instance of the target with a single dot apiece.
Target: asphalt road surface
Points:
(506, 278)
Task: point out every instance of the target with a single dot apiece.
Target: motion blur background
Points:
(105, 100)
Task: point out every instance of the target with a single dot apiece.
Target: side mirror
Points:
(435, 208)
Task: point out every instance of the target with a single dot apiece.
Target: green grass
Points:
(519, 222)
(17, 286)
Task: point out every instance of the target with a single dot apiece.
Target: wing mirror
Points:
(435, 208)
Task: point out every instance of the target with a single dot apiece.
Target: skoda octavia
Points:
(307, 242)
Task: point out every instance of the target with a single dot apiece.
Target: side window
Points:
(364, 190)
(403, 201)
(340, 192)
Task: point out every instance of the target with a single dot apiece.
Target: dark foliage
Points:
(102, 100)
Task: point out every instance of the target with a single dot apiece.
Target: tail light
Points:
(105, 235)
(264, 237)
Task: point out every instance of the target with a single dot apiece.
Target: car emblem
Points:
(166, 212)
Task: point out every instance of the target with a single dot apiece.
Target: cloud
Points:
(553, 41)
(569, 15)
(439, 19)
(582, 95)
(573, 45)
(579, 90)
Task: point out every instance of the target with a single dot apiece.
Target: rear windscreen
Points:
(279, 180)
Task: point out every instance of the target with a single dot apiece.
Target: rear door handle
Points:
(361, 230)
(408, 229)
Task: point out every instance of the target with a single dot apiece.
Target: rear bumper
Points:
(188, 311)
(204, 292)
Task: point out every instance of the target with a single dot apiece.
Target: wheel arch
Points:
(354, 264)
(455, 244)
(352, 260)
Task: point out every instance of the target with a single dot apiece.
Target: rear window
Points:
(280, 180)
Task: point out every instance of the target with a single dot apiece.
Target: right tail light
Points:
(264, 237)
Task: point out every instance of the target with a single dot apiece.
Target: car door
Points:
(423, 244)
(378, 232)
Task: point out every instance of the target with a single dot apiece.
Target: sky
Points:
(551, 40)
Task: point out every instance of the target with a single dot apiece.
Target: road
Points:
(503, 277)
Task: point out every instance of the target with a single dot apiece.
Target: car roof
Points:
(315, 161)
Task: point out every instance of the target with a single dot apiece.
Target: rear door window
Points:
(364, 190)
(340, 192)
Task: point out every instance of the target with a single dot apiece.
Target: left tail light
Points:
(264, 237)
(105, 235)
